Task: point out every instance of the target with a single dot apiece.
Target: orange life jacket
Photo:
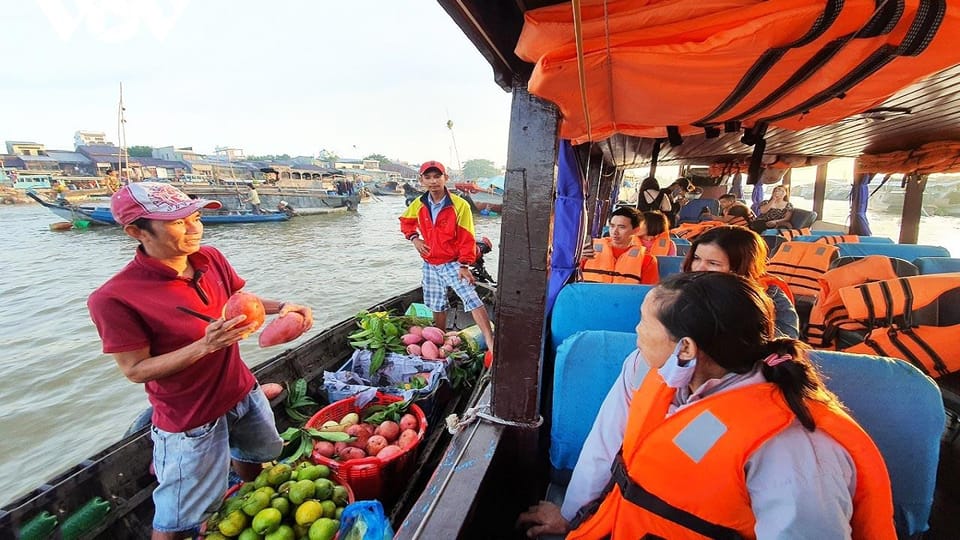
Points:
(661, 245)
(690, 231)
(790, 234)
(634, 266)
(690, 466)
(801, 264)
(839, 239)
(738, 221)
(829, 313)
(892, 305)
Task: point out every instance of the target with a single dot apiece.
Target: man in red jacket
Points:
(440, 226)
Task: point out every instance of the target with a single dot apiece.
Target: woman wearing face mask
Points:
(717, 429)
(742, 251)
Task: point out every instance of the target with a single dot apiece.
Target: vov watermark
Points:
(112, 21)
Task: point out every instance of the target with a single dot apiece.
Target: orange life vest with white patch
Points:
(839, 239)
(634, 266)
(682, 476)
(801, 264)
(661, 245)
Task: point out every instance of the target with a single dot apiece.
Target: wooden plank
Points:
(524, 239)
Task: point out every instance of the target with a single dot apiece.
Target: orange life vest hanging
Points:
(662, 245)
(690, 231)
(892, 305)
(829, 313)
(634, 266)
(801, 264)
(682, 476)
(790, 234)
(839, 239)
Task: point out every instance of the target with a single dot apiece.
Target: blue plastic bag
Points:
(365, 520)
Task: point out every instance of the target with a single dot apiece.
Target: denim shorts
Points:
(192, 466)
(436, 279)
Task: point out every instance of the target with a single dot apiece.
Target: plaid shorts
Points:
(436, 279)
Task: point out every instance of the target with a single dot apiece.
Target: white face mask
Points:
(675, 375)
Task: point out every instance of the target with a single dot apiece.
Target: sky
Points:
(353, 77)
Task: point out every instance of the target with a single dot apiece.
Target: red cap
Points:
(154, 200)
(433, 165)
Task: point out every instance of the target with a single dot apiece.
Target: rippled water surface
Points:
(62, 400)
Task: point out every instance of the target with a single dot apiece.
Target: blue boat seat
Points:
(937, 265)
(861, 239)
(898, 406)
(690, 212)
(679, 241)
(683, 249)
(587, 364)
(773, 243)
(595, 306)
(907, 252)
(668, 265)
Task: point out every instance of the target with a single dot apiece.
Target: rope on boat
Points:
(455, 424)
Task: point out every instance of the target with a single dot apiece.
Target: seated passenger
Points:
(742, 251)
(775, 212)
(620, 258)
(730, 433)
(732, 212)
(656, 236)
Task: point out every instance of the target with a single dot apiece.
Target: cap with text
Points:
(154, 200)
(433, 165)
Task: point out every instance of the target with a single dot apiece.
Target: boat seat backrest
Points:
(683, 249)
(907, 252)
(679, 241)
(901, 267)
(668, 265)
(937, 265)
(690, 212)
(595, 306)
(902, 411)
(860, 239)
(773, 243)
(802, 219)
(587, 364)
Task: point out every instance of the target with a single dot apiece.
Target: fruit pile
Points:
(431, 343)
(283, 503)
(377, 436)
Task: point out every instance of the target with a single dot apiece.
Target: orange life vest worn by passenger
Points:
(633, 266)
(690, 466)
(661, 245)
(839, 239)
(828, 313)
(801, 264)
(892, 304)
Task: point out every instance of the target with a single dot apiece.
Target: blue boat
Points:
(100, 214)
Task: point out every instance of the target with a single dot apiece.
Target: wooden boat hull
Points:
(303, 200)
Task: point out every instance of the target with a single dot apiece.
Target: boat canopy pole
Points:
(820, 189)
(916, 183)
(654, 156)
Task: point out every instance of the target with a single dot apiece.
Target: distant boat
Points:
(100, 214)
(389, 188)
(483, 200)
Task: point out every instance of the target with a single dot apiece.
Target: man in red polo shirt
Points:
(207, 405)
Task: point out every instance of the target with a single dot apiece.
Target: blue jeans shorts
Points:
(192, 466)
(436, 279)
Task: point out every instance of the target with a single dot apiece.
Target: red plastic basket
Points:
(371, 477)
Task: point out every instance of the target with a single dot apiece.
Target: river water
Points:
(62, 400)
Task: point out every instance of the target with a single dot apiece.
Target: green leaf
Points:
(377, 360)
(361, 344)
(289, 434)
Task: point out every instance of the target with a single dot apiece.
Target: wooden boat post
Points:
(916, 183)
(820, 189)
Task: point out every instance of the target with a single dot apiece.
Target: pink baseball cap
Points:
(154, 200)
(433, 165)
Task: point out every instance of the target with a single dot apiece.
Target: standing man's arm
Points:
(409, 226)
(140, 367)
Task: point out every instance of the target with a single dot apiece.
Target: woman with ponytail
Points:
(717, 428)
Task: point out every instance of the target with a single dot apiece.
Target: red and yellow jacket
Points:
(660, 491)
(450, 238)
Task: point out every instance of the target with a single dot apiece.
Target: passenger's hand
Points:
(771, 224)
(587, 252)
(422, 247)
(543, 518)
(304, 311)
(467, 275)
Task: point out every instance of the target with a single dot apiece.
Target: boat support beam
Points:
(912, 208)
